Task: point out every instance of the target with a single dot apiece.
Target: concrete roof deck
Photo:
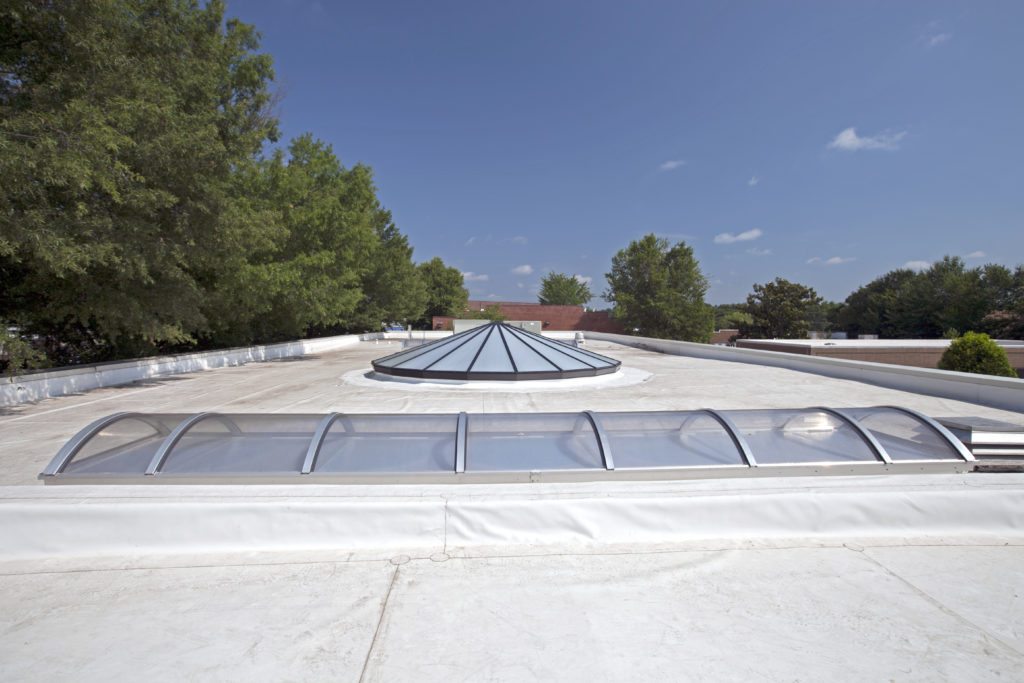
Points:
(505, 582)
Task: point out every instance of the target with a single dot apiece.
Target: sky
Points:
(823, 142)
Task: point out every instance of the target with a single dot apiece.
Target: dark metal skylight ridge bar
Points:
(317, 441)
(436, 343)
(734, 433)
(461, 429)
(535, 351)
(445, 355)
(549, 342)
(160, 459)
(865, 434)
(482, 345)
(602, 440)
(947, 435)
(501, 333)
(75, 443)
(544, 342)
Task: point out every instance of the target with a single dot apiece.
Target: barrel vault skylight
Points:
(503, 447)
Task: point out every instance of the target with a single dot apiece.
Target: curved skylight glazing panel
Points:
(801, 436)
(388, 443)
(495, 351)
(123, 443)
(218, 448)
(217, 444)
(904, 436)
(669, 439)
(544, 441)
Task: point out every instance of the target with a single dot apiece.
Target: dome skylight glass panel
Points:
(495, 351)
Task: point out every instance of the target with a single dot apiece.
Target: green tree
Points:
(731, 316)
(871, 309)
(562, 289)
(392, 288)
(446, 293)
(120, 125)
(975, 352)
(658, 290)
(491, 312)
(945, 296)
(780, 310)
(321, 221)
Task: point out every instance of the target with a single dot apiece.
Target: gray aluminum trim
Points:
(602, 441)
(172, 439)
(875, 445)
(461, 428)
(734, 433)
(71, 448)
(957, 445)
(317, 441)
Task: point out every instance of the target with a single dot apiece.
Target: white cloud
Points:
(525, 269)
(520, 285)
(671, 164)
(937, 39)
(849, 141)
(470, 241)
(583, 279)
(518, 239)
(976, 254)
(754, 180)
(755, 251)
(832, 260)
(729, 238)
(492, 296)
(470, 276)
(918, 265)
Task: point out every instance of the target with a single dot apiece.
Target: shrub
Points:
(976, 352)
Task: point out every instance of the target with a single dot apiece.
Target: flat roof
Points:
(873, 577)
(30, 434)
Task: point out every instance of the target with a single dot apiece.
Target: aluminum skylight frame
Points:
(529, 356)
(587, 441)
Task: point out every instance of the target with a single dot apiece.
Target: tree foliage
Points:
(138, 212)
(780, 310)
(445, 292)
(976, 352)
(731, 316)
(562, 289)
(948, 295)
(658, 290)
(116, 161)
(491, 312)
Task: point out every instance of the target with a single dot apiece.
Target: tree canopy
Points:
(780, 309)
(562, 289)
(946, 296)
(117, 162)
(139, 212)
(658, 290)
(445, 292)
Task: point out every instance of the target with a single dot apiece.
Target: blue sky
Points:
(823, 142)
